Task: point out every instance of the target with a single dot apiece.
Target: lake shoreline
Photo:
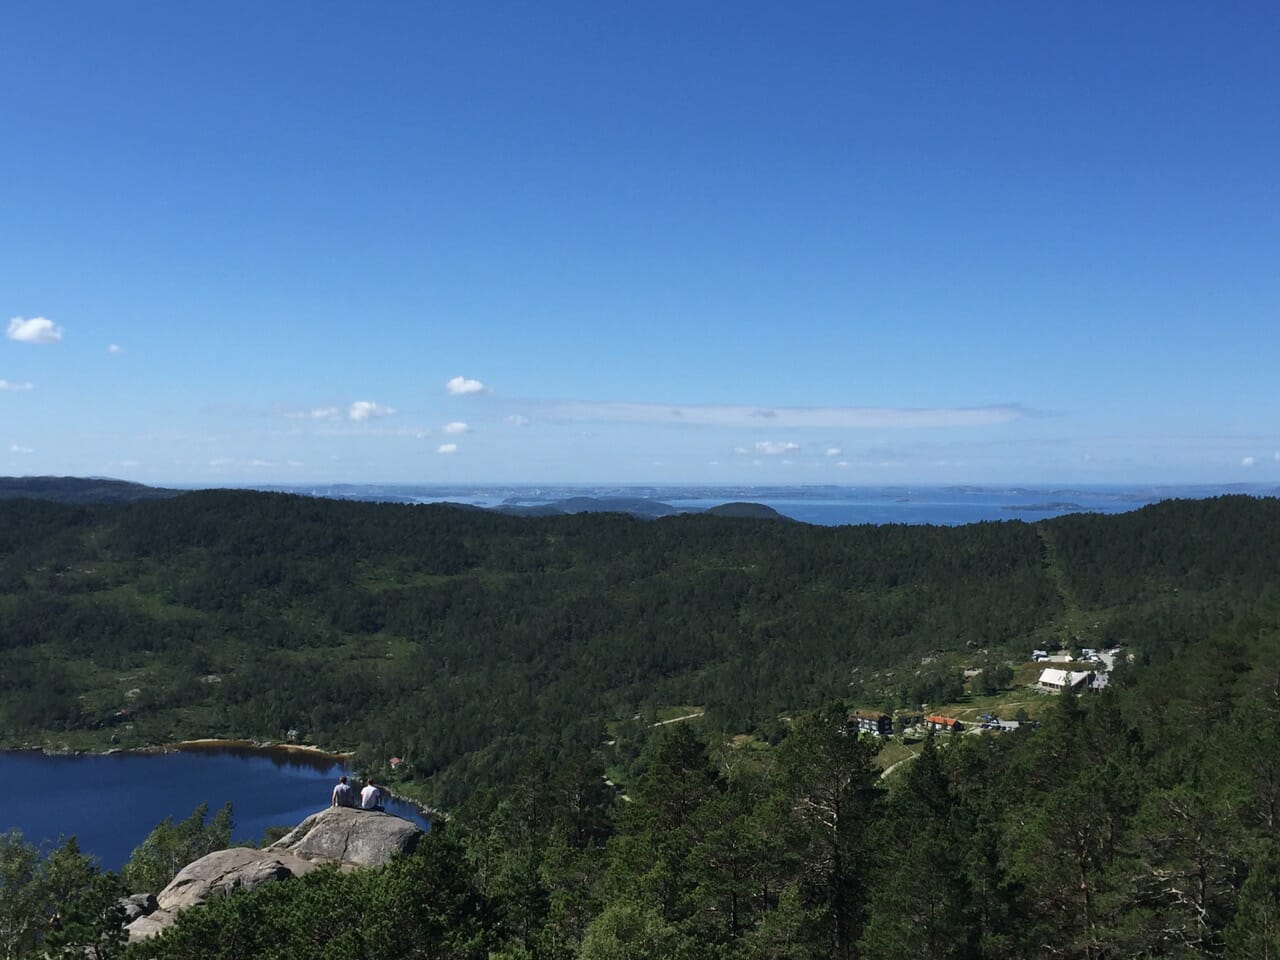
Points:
(191, 746)
(198, 744)
(214, 743)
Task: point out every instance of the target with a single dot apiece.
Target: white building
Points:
(1055, 681)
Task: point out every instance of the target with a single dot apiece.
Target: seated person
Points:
(371, 797)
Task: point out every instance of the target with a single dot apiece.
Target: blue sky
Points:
(664, 242)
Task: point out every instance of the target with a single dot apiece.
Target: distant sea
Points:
(823, 505)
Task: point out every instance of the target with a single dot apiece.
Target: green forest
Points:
(519, 662)
(1139, 822)
(465, 641)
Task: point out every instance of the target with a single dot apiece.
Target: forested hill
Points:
(80, 489)
(463, 640)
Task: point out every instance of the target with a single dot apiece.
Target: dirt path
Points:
(894, 766)
(687, 716)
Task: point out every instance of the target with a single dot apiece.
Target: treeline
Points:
(462, 640)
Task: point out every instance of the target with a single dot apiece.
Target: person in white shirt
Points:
(371, 797)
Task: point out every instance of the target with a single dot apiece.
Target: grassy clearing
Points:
(895, 750)
(1005, 703)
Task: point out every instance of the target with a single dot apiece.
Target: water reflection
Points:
(278, 756)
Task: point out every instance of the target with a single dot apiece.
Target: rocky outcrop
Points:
(350, 838)
(346, 835)
(214, 875)
(138, 905)
(222, 871)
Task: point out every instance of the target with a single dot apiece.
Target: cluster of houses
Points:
(1052, 680)
(880, 724)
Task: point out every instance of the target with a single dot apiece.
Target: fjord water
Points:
(110, 803)
(821, 505)
(836, 506)
(934, 507)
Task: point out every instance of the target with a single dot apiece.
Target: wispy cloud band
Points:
(359, 411)
(790, 417)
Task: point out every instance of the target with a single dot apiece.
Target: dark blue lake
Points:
(110, 803)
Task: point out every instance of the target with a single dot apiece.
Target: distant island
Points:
(753, 511)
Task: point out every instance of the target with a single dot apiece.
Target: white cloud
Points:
(447, 448)
(114, 348)
(791, 417)
(368, 410)
(1248, 462)
(457, 426)
(10, 385)
(833, 451)
(519, 420)
(1276, 456)
(34, 330)
(16, 448)
(461, 386)
(775, 448)
(315, 413)
(741, 451)
(253, 462)
(843, 464)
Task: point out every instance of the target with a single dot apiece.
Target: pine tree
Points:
(921, 899)
(826, 774)
(1254, 933)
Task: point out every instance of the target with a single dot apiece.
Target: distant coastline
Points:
(816, 504)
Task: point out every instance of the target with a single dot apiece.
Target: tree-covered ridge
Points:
(80, 489)
(464, 640)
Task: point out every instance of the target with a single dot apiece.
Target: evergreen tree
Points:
(921, 901)
(826, 775)
(660, 827)
(1254, 932)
